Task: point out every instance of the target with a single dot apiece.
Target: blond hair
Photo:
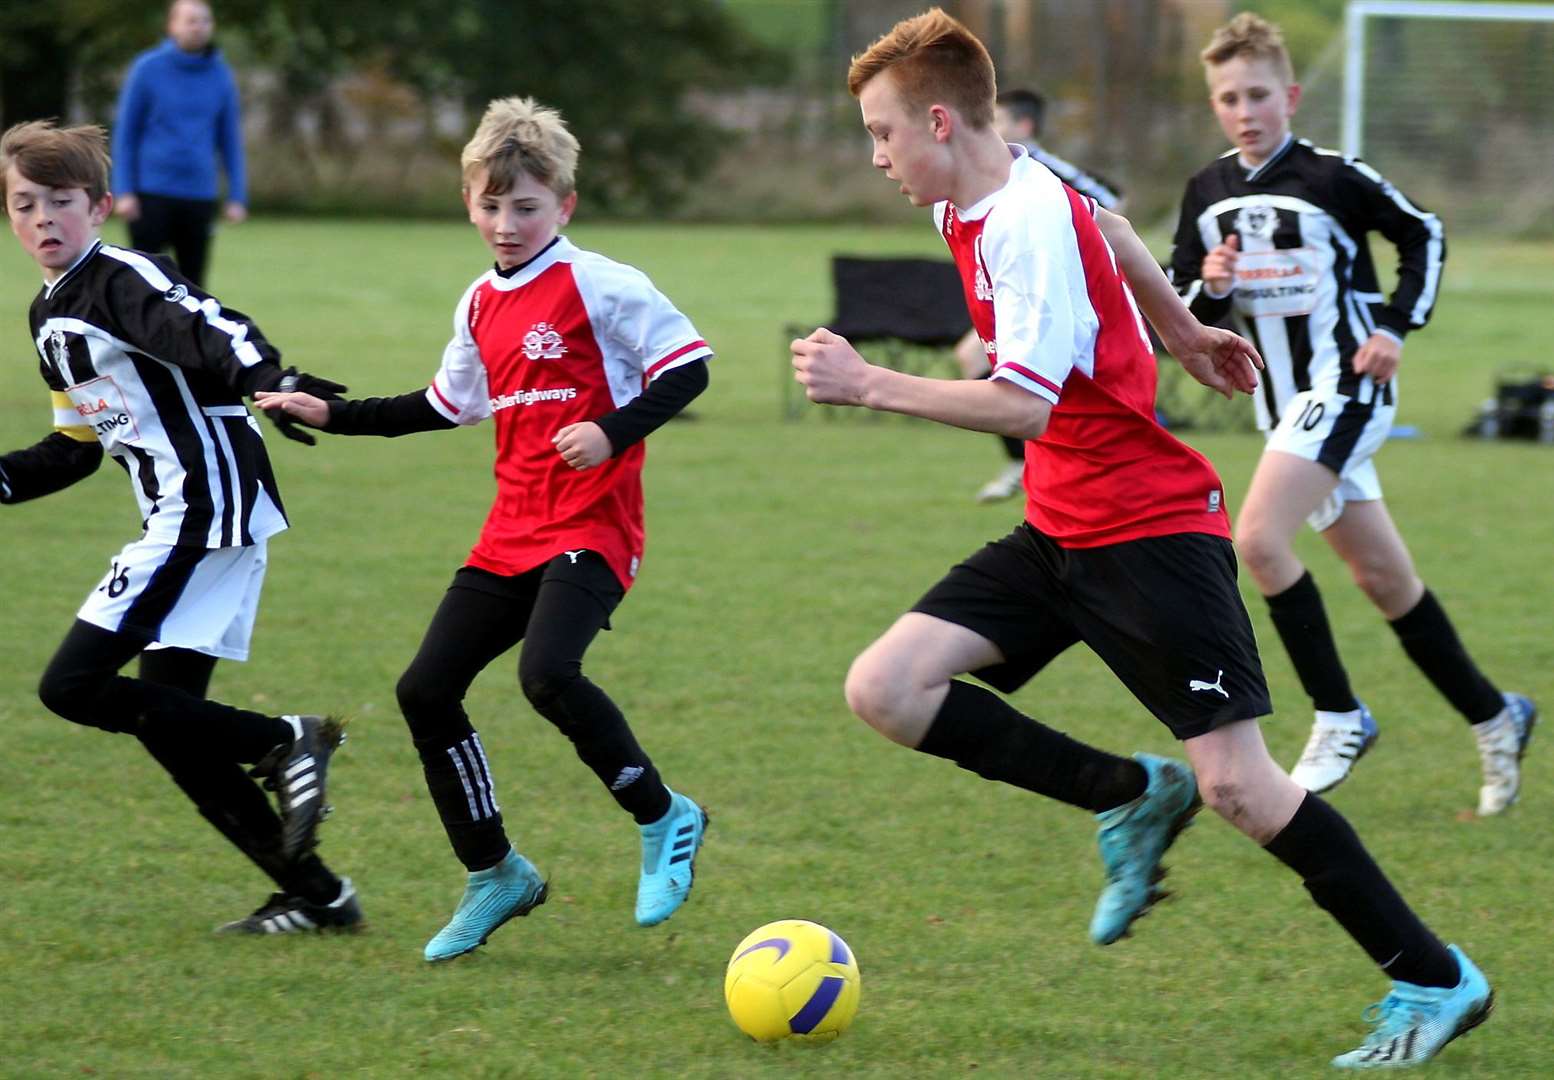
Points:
(933, 59)
(521, 136)
(73, 157)
(1251, 36)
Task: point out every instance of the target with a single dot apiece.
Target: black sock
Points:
(460, 783)
(1015, 448)
(603, 741)
(979, 731)
(1320, 846)
(222, 790)
(1432, 644)
(222, 730)
(1301, 620)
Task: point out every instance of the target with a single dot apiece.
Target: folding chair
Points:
(908, 312)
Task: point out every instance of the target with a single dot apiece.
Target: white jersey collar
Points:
(983, 206)
(558, 250)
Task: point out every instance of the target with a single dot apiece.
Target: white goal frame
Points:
(1354, 44)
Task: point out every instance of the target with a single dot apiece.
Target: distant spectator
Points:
(1019, 116)
(177, 111)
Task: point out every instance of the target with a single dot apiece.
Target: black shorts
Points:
(585, 570)
(1163, 613)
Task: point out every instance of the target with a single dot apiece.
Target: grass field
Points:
(776, 551)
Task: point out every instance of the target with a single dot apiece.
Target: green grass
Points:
(776, 551)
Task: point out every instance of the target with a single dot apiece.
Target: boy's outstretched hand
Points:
(583, 445)
(284, 408)
(829, 368)
(1219, 359)
(295, 386)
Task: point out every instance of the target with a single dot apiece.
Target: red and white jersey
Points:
(567, 337)
(1057, 319)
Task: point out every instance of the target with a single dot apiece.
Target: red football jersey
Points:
(567, 337)
(1057, 319)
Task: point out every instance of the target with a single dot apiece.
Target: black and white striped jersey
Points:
(1109, 195)
(1305, 288)
(158, 370)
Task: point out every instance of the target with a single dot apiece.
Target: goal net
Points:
(1453, 102)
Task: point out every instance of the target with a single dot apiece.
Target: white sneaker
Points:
(1501, 744)
(1006, 485)
(1337, 741)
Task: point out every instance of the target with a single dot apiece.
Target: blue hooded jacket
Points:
(176, 111)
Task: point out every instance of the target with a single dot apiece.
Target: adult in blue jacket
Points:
(177, 111)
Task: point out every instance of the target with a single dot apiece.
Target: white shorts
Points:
(1341, 433)
(203, 599)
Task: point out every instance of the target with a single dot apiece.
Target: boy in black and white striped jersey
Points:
(1273, 234)
(146, 367)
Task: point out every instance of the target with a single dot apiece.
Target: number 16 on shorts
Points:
(116, 581)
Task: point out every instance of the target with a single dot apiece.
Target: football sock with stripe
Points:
(1431, 642)
(980, 732)
(462, 790)
(1343, 879)
(1301, 620)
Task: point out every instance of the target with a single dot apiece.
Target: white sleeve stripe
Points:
(443, 406)
(1024, 382)
(1433, 253)
(678, 359)
(242, 348)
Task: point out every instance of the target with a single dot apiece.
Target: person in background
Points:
(178, 111)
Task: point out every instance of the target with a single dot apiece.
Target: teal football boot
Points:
(669, 847)
(1133, 837)
(511, 888)
(1413, 1023)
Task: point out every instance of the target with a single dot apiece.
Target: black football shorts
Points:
(1163, 613)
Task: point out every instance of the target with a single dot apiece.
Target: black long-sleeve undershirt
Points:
(406, 414)
(49, 465)
(655, 406)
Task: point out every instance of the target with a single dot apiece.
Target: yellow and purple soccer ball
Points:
(792, 979)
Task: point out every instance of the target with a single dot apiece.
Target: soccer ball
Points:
(792, 979)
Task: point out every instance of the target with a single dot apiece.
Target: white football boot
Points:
(1502, 742)
(1337, 741)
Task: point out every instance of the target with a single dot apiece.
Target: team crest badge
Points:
(59, 351)
(543, 342)
(1258, 221)
(177, 294)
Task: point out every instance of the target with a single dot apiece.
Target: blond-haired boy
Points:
(1274, 234)
(1125, 544)
(146, 367)
(576, 359)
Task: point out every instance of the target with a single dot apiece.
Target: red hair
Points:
(933, 59)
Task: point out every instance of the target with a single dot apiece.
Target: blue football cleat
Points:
(511, 888)
(1412, 1023)
(1133, 837)
(669, 847)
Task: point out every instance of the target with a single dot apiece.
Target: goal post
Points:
(1458, 99)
